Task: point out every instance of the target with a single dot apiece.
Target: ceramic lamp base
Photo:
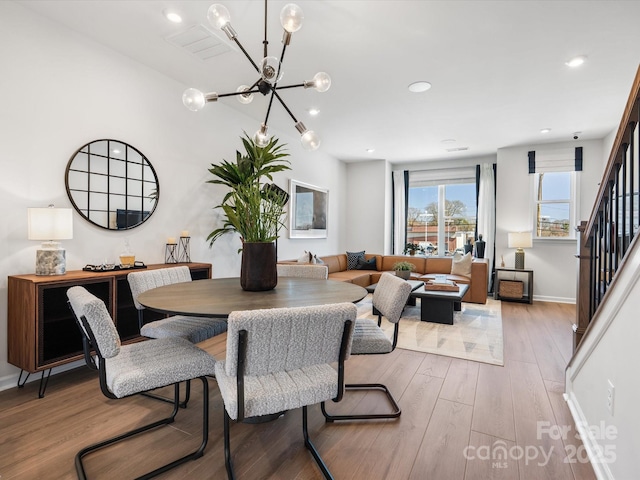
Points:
(51, 262)
(520, 259)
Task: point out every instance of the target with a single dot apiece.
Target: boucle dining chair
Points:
(127, 370)
(284, 358)
(194, 329)
(320, 272)
(389, 300)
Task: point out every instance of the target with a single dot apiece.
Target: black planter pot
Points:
(258, 271)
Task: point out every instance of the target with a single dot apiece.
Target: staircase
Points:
(602, 386)
(611, 231)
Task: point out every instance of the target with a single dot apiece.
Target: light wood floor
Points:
(451, 407)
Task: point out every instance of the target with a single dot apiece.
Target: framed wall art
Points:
(308, 208)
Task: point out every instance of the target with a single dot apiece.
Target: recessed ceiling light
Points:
(371, 150)
(419, 87)
(545, 130)
(576, 61)
(172, 16)
(449, 141)
(313, 112)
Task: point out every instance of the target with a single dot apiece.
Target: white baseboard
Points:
(545, 298)
(594, 452)
(11, 381)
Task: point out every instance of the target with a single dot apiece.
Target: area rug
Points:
(476, 333)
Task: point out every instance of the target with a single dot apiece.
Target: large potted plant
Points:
(253, 209)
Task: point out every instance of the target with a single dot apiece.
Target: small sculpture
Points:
(480, 244)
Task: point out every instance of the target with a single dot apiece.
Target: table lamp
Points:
(49, 225)
(520, 240)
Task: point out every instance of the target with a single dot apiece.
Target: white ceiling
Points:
(497, 67)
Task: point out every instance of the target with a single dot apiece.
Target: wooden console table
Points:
(41, 330)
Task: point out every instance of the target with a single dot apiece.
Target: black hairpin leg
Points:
(43, 381)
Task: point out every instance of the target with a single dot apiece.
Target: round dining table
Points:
(218, 297)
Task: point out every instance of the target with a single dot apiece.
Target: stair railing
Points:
(614, 222)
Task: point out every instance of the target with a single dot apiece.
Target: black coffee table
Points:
(437, 306)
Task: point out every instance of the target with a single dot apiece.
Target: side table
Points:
(514, 274)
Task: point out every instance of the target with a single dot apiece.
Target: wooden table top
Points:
(218, 297)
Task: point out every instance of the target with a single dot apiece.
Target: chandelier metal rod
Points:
(291, 86)
(265, 42)
(246, 54)
(275, 85)
(285, 106)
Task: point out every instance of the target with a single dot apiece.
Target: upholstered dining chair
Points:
(194, 329)
(389, 300)
(127, 370)
(283, 358)
(320, 272)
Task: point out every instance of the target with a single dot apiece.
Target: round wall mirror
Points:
(112, 184)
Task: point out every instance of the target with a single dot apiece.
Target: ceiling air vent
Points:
(199, 41)
(457, 149)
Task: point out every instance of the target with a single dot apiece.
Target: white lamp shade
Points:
(520, 240)
(50, 223)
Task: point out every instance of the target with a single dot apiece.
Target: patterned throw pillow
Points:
(353, 258)
(461, 265)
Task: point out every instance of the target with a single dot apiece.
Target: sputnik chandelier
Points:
(269, 70)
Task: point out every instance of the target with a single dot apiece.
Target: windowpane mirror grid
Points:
(112, 184)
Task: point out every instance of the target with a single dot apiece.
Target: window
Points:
(442, 210)
(555, 205)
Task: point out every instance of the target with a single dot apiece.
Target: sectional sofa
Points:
(425, 269)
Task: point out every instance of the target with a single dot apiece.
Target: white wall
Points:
(610, 352)
(553, 261)
(366, 206)
(60, 91)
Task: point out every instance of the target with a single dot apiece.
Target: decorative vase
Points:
(258, 271)
(404, 274)
(480, 244)
(468, 247)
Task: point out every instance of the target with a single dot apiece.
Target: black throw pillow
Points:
(367, 264)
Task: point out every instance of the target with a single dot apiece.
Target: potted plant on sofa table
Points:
(403, 269)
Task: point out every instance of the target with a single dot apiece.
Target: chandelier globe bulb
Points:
(291, 17)
(245, 98)
(271, 70)
(322, 82)
(310, 140)
(261, 138)
(218, 15)
(193, 99)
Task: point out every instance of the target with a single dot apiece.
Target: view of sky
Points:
(420, 197)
